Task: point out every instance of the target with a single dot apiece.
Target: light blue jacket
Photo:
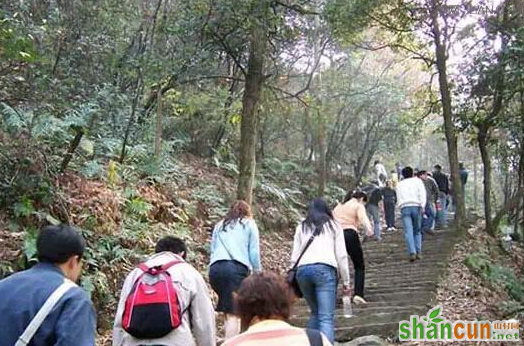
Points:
(239, 241)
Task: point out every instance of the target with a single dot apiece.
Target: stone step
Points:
(392, 298)
(363, 319)
(411, 276)
(409, 265)
(351, 331)
(368, 309)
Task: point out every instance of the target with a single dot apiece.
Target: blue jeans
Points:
(374, 214)
(442, 215)
(427, 223)
(318, 283)
(412, 220)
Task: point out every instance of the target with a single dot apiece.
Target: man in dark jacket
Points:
(72, 319)
(463, 173)
(432, 196)
(389, 196)
(443, 186)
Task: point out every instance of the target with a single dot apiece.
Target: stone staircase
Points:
(394, 288)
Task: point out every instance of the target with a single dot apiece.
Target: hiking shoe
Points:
(359, 300)
(419, 256)
(412, 257)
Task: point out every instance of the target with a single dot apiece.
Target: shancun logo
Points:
(434, 327)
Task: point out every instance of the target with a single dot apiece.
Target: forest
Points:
(132, 119)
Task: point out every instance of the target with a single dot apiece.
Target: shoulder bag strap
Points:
(314, 337)
(44, 311)
(310, 240)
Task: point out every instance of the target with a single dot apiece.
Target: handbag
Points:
(291, 276)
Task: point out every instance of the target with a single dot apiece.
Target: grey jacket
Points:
(432, 191)
(198, 320)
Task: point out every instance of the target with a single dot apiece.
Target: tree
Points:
(401, 20)
(254, 82)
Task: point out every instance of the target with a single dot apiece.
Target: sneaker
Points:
(412, 257)
(419, 256)
(359, 300)
(393, 229)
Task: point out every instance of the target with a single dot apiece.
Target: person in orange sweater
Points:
(352, 216)
(263, 303)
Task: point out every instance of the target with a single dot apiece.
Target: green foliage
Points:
(16, 46)
(24, 208)
(496, 275)
(30, 251)
(6, 269)
(138, 207)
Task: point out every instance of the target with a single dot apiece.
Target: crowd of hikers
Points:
(165, 301)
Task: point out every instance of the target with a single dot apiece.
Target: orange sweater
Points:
(352, 214)
(274, 333)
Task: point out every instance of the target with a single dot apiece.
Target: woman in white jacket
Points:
(318, 267)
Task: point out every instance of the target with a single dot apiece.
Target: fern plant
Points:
(138, 207)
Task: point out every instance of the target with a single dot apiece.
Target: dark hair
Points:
(171, 244)
(56, 244)
(318, 214)
(359, 195)
(263, 295)
(377, 161)
(238, 210)
(461, 165)
(438, 167)
(348, 196)
(407, 172)
(355, 194)
(421, 173)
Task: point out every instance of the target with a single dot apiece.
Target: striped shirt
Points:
(274, 333)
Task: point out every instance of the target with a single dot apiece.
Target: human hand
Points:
(346, 290)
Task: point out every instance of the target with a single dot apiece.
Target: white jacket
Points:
(411, 192)
(327, 248)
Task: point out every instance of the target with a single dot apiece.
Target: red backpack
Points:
(152, 309)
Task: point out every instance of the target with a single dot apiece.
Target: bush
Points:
(495, 275)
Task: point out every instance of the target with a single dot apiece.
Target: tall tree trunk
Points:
(475, 181)
(482, 138)
(520, 203)
(72, 147)
(131, 121)
(248, 126)
(445, 93)
(159, 127)
(321, 150)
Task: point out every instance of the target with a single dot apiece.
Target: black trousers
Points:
(390, 214)
(354, 250)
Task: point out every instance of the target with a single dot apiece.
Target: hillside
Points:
(122, 222)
